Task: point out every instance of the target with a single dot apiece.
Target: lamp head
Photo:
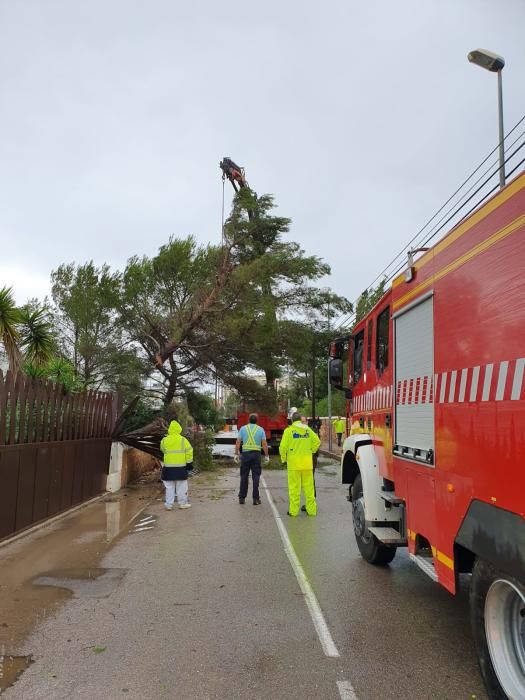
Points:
(487, 59)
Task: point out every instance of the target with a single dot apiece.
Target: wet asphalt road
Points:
(204, 604)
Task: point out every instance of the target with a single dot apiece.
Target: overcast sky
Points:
(360, 117)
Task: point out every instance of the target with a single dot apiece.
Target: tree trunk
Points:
(170, 393)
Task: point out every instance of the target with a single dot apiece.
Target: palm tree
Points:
(36, 336)
(26, 334)
(9, 328)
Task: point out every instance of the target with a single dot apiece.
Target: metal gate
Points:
(414, 369)
(54, 449)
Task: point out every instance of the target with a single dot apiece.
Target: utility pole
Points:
(313, 378)
(329, 390)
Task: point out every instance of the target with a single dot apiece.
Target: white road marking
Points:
(141, 529)
(346, 690)
(144, 521)
(316, 613)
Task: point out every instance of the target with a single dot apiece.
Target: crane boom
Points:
(234, 173)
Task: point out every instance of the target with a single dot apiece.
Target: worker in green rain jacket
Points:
(339, 427)
(177, 461)
(297, 446)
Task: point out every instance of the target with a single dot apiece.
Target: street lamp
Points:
(494, 63)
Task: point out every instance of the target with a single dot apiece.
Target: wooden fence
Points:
(54, 449)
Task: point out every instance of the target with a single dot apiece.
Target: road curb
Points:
(332, 455)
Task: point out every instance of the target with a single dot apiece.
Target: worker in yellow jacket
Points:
(339, 427)
(297, 446)
(177, 461)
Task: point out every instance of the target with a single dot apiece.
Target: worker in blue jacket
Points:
(253, 440)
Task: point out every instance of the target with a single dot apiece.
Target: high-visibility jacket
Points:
(339, 425)
(177, 454)
(255, 435)
(297, 446)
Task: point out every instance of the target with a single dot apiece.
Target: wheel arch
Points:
(349, 464)
(494, 535)
(349, 468)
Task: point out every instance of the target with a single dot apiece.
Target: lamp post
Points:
(494, 63)
(329, 396)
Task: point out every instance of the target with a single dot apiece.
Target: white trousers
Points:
(182, 492)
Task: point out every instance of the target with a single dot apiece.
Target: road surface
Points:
(207, 603)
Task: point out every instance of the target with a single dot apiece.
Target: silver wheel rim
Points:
(505, 631)
(360, 527)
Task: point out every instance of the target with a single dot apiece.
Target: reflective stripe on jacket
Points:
(297, 446)
(252, 430)
(176, 449)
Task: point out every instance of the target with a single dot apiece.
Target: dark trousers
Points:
(250, 460)
(339, 436)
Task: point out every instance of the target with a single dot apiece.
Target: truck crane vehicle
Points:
(435, 456)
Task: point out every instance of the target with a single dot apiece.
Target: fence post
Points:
(117, 475)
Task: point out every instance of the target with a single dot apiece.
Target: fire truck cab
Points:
(435, 456)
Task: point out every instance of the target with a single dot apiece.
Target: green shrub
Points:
(202, 442)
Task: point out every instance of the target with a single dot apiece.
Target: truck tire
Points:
(371, 549)
(497, 613)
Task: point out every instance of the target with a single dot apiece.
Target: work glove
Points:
(267, 460)
(236, 459)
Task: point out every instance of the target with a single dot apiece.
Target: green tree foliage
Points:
(368, 300)
(9, 327)
(36, 335)
(202, 408)
(156, 306)
(26, 333)
(201, 312)
(307, 344)
(88, 329)
(58, 370)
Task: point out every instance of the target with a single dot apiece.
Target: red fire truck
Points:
(273, 426)
(435, 458)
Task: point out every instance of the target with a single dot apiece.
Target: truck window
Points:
(359, 343)
(382, 340)
(369, 345)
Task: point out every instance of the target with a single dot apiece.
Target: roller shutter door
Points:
(414, 369)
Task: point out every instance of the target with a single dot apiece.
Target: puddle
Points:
(11, 668)
(84, 583)
(43, 570)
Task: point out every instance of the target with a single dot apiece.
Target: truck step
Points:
(388, 535)
(426, 565)
(391, 498)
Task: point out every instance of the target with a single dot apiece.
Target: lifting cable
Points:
(222, 221)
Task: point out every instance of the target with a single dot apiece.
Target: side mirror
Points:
(337, 348)
(336, 372)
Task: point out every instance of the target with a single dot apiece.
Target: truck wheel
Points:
(497, 612)
(371, 549)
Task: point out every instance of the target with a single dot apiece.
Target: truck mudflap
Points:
(495, 535)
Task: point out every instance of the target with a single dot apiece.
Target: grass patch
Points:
(275, 463)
